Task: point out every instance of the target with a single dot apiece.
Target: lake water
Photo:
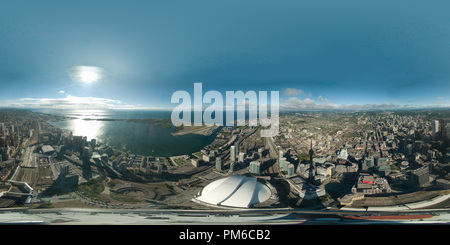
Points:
(138, 138)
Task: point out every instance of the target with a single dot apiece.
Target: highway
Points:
(218, 217)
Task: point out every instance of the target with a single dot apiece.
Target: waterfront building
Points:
(104, 158)
(212, 153)
(206, 158)
(195, 162)
(87, 153)
(84, 141)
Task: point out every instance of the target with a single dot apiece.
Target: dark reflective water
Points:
(138, 138)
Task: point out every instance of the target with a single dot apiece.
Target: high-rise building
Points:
(63, 169)
(290, 169)
(219, 164)
(104, 157)
(443, 130)
(382, 161)
(232, 163)
(212, 153)
(87, 152)
(241, 157)
(255, 167)
(232, 153)
(84, 141)
(434, 128)
(283, 164)
(302, 168)
(409, 149)
(421, 176)
(368, 163)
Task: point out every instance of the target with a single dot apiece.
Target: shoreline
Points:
(160, 122)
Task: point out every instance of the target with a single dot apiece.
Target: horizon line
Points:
(246, 109)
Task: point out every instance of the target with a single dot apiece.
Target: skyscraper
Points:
(255, 167)
(219, 164)
(434, 128)
(290, 169)
(443, 129)
(241, 157)
(421, 176)
(232, 163)
(232, 153)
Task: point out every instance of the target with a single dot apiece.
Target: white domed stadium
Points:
(235, 191)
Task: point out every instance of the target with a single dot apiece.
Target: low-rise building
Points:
(368, 184)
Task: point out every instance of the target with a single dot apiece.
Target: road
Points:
(217, 217)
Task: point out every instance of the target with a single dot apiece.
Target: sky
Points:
(322, 54)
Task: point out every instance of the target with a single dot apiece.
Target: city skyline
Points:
(319, 56)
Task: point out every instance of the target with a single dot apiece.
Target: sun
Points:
(87, 74)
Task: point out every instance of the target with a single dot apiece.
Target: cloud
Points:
(294, 103)
(69, 102)
(293, 92)
(440, 98)
(62, 92)
(320, 98)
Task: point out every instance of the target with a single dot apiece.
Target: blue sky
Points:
(319, 54)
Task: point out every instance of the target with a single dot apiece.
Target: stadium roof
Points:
(235, 191)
